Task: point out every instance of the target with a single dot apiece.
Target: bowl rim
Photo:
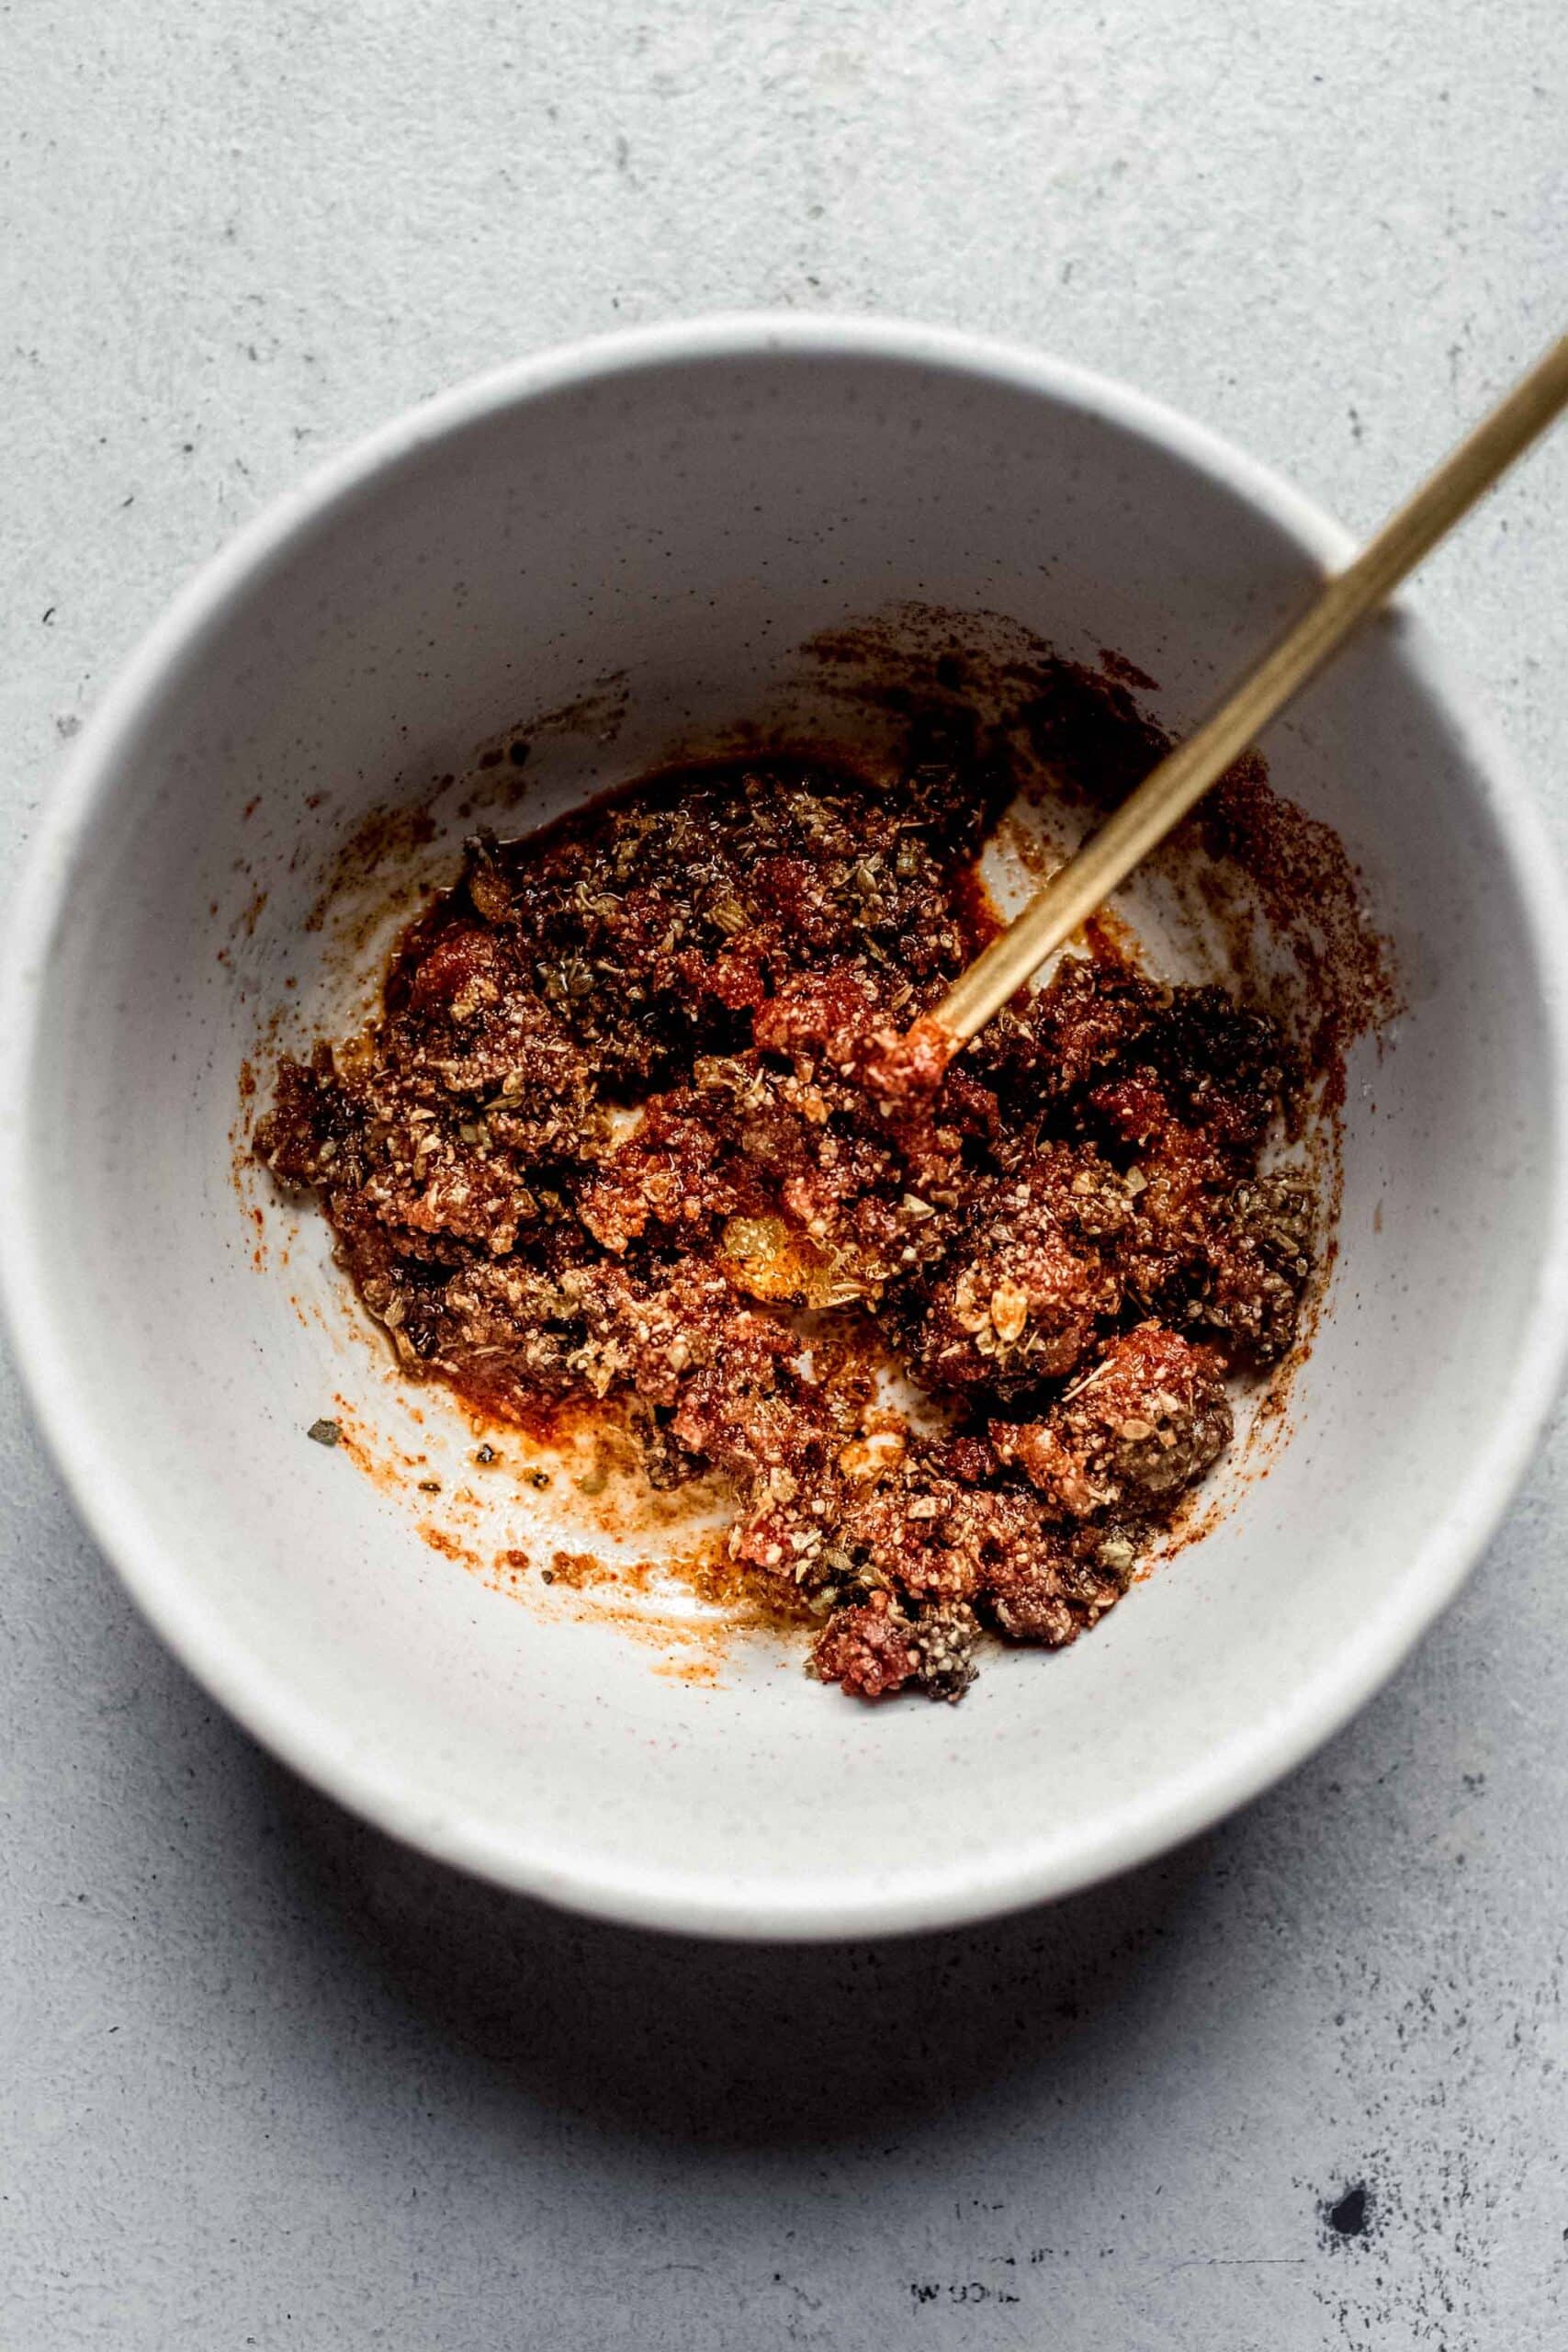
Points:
(321, 1748)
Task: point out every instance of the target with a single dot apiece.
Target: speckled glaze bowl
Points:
(673, 511)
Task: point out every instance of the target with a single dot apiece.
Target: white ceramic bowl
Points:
(683, 507)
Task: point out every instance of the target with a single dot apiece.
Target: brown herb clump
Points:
(609, 1141)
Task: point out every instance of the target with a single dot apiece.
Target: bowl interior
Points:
(616, 559)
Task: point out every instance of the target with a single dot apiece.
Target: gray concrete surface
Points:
(266, 2080)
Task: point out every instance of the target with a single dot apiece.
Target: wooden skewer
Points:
(1182, 777)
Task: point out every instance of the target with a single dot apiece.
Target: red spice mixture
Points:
(611, 1138)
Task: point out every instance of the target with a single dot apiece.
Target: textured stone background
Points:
(268, 2082)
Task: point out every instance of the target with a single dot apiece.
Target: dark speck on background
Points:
(1348, 2216)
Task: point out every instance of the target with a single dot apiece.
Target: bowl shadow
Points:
(740, 2045)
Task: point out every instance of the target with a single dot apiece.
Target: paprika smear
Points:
(616, 1137)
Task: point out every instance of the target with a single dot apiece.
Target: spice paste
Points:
(614, 1139)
